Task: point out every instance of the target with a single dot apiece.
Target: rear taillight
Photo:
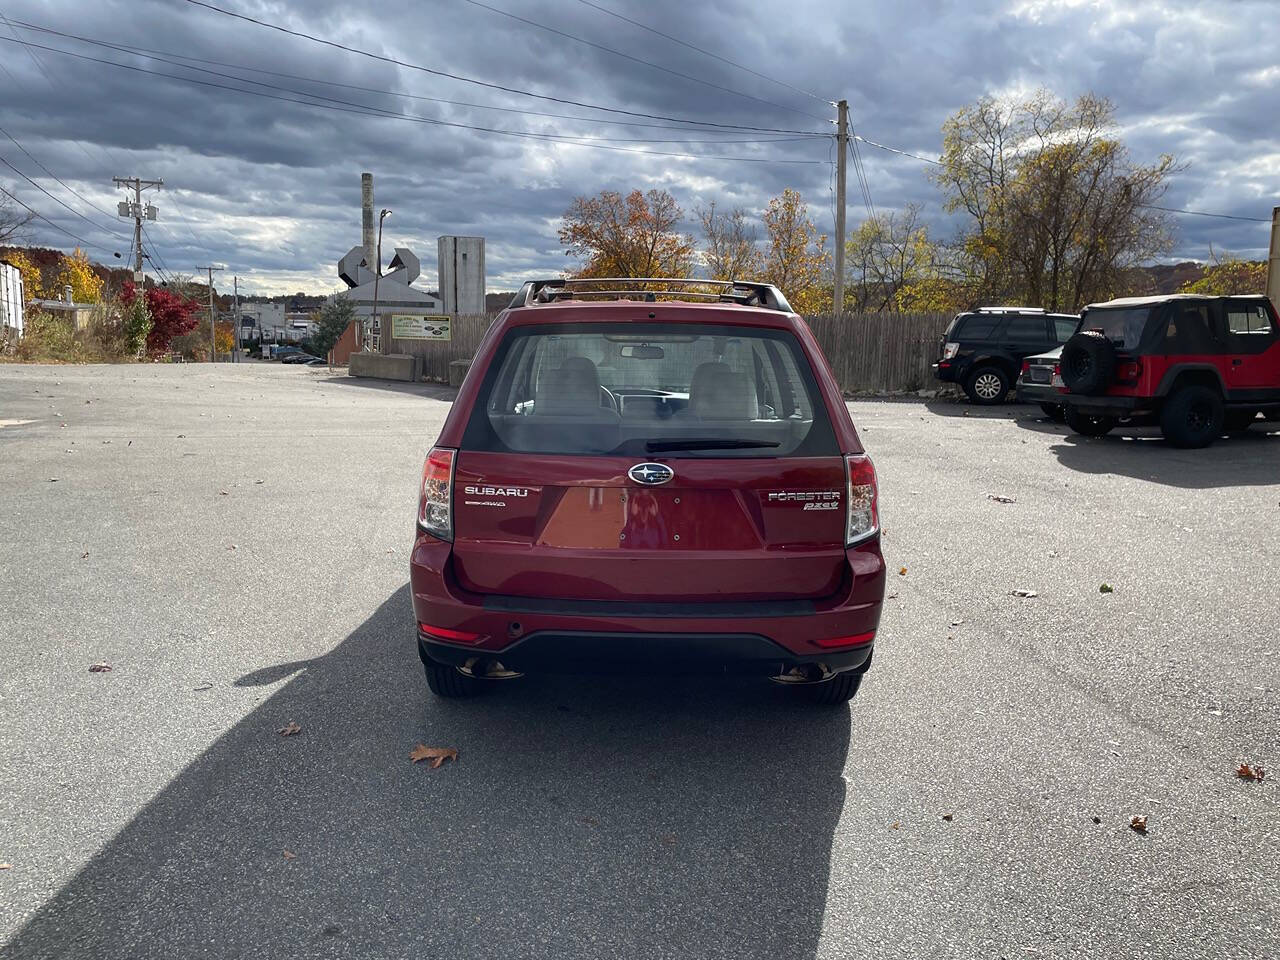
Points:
(1057, 380)
(1026, 367)
(949, 350)
(862, 516)
(435, 502)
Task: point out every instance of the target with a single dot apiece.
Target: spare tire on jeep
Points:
(1087, 362)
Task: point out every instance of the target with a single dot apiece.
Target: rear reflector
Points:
(450, 636)
(854, 641)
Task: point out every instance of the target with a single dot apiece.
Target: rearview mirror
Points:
(641, 351)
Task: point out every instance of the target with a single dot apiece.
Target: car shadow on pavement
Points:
(1248, 459)
(582, 818)
(433, 391)
(961, 407)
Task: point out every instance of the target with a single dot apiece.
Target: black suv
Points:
(983, 350)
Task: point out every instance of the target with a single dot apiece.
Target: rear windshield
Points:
(668, 390)
(1123, 327)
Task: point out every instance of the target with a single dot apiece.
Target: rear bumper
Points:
(1108, 406)
(1037, 392)
(546, 634)
(946, 371)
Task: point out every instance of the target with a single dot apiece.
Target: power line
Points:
(30, 52)
(371, 111)
(65, 186)
(92, 223)
(183, 60)
(705, 53)
(37, 213)
(634, 59)
(1201, 213)
(454, 76)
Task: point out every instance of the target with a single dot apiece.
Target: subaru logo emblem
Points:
(651, 474)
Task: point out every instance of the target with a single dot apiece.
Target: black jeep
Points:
(983, 350)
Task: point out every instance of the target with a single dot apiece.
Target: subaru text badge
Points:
(651, 474)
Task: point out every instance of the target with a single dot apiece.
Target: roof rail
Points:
(744, 292)
(1009, 310)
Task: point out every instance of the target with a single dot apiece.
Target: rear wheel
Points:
(448, 681)
(1054, 411)
(1193, 417)
(1087, 425)
(987, 385)
(831, 693)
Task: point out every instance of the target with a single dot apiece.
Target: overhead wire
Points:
(331, 103)
(36, 213)
(635, 59)
(66, 186)
(57, 200)
(185, 59)
(463, 79)
(705, 53)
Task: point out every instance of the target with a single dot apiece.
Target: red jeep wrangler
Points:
(1199, 366)
(654, 476)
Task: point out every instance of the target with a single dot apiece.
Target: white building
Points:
(11, 299)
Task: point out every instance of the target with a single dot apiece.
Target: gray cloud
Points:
(272, 189)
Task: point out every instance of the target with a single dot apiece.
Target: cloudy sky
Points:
(271, 188)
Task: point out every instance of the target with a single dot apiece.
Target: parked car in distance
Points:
(1200, 366)
(316, 362)
(299, 357)
(648, 485)
(279, 353)
(982, 350)
(1035, 384)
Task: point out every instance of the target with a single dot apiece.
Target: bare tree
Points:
(886, 260)
(14, 220)
(731, 251)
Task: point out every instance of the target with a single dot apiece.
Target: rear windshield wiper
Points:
(708, 443)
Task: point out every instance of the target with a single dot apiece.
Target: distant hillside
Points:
(497, 302)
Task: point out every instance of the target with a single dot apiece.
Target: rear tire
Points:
(448, 682)
(987, 386)
(1088, 426)
(831, 693)
(1054, 411)
(1193, 417)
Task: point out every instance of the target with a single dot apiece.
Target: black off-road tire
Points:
(1088, 426)
(987, 386)
(446, 681)
(1087, 362)
(831, 693)
(1054, 411)
(1193, 417)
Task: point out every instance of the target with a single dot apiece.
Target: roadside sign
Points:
(406, 326)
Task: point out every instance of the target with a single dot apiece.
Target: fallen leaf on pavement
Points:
(290, 855)
(947, 817)
(1246, 772)
(437, 755)
(1025, 593)
(1139, 824)
(54, 479)
(894, 825)
(203, 686)
(85, 555)
(6, 866)
(259, 481)
(1000, 498)
(902, 572)
(1106, 588)
(222, 493)
(100, 668)
(1097, 819)
(289, 729)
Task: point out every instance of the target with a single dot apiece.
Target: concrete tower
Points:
(369, 238)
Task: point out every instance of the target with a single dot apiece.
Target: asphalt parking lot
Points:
(234, 542)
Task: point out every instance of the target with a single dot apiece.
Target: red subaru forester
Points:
(649, 476)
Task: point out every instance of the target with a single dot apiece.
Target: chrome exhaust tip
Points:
(805, 673)
(484, 669)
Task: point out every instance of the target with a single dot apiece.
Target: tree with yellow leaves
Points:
(797, 260)
(78, 273)
(32, 288)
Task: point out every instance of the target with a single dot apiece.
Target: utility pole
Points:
(213, 323)
(842, 153)
(138, 212)
(1273, 263)
(235, 320)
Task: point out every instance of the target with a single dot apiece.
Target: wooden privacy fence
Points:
(871, 352)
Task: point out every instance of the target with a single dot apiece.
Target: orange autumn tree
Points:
(796, 259)
(633, 236)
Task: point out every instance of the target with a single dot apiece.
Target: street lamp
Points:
(377, 273)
